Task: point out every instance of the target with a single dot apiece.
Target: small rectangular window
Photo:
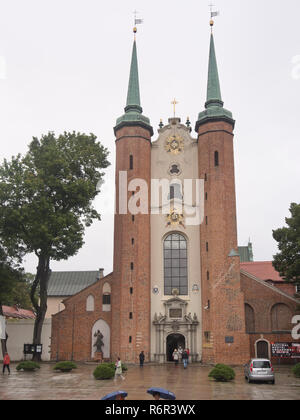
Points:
(130, 315)
(106, 300)
(131, 266)
(131, 162)
(131, 290)
(130, 339)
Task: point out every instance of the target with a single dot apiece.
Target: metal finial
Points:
(174, 103)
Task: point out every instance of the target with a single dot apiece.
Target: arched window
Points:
(90, 303)
(250, 319)
(281, 317)
(216, 158)
(175, 264)
(106, 302)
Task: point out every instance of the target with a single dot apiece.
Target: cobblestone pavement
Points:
(190, 384)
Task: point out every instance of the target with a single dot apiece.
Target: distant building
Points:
(63, 284)
(246, 253)
(14, 312)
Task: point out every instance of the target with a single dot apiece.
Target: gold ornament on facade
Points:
(175, 218)
(174, 145)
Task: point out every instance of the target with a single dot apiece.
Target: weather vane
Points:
(136, 22)
(174, 103)
(213, 13)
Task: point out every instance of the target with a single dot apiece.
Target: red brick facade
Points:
(218, 236)
(71, 337)
(239, 311)
(131, 299)
(269, 314)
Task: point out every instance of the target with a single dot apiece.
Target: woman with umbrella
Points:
(161, 393)
(115, 396)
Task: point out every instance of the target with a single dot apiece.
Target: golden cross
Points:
(174, 103)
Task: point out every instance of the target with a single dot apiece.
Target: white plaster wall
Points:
(161, 161)
(54, 305)
(20, 332)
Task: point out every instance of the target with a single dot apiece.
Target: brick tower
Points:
(131, 295)
(224, 337)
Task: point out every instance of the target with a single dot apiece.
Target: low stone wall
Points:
(20, 332)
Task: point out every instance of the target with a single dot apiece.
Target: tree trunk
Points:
(41, 279)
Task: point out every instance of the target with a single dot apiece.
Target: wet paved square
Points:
(190, 384)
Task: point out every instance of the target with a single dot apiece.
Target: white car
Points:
(259, 370)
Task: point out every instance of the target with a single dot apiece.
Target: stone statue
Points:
(99, 341)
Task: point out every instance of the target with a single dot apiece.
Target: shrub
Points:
(296, 370)
(222, 373)
(104, 371)
(65, 366)
(28, 366)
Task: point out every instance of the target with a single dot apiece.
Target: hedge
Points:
(222, 373)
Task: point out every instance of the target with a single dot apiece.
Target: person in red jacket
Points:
(6, 363)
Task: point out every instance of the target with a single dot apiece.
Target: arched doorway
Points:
(104, 329)
(174, 341)
(262, 349)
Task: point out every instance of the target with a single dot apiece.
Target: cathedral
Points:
(177, 279)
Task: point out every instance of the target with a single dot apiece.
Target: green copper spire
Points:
(133, 111)
(133, 96)
(213, 85)
(214, 104)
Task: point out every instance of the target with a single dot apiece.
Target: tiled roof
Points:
(15, 312)
(68, 283)
(263, 270)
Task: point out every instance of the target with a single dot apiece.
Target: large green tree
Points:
(46, 202)
(287, 261)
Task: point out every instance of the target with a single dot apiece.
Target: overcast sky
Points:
(64, 66)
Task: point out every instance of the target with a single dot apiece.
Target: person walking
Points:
(185, 358)
(118, 372)
(6, 363)
(176, 357)
(188, 353)
(180, 351)
(142, 358)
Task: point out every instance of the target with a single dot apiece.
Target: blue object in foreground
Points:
(113, 395)
(164, 393)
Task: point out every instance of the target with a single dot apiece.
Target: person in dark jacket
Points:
(185, 358)
(142, 358)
